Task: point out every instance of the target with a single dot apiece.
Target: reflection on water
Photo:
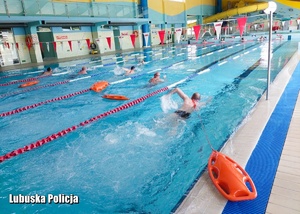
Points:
(264, 54)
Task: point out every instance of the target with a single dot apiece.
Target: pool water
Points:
(140, 159)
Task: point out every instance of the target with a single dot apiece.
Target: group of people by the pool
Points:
(189, 105)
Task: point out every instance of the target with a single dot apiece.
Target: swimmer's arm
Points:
(126, 69)
(180, 93)
(164, 79)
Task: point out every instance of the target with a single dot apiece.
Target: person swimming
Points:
(156, 79)
(189, 104)
(129, 71)
(83, 70)
(48, 72)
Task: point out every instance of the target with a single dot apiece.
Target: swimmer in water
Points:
(189, 104)
(83, 70)
(129, 71)
(48, 72)
(156, 79)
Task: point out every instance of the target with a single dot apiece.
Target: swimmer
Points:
(189, 104)
(83, 70)
(48, 72)
(155, 80)
(129, 71)
(261, 39)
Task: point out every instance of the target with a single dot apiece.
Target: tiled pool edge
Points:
(204, 198)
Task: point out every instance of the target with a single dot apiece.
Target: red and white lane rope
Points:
(24, 80)
(33, 88)
(14, 75)
(84, 123)
(24, 108)
(21, 109)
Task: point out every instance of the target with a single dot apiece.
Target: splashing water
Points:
(118, 70)
(167, 103)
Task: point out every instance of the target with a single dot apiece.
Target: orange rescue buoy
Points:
(115, 97)
(99, 86)
(230, 178)
(29, 84)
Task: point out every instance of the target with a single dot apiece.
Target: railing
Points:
(70, 9)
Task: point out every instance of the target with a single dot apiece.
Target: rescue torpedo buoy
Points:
(29, 84)
(232, 181)
(115, 97)
(99, 86)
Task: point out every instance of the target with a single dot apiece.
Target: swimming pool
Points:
(133, 160)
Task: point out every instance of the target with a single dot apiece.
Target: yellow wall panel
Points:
(156, 5)
(292, 4)
(194, 3)
(173, 8)
(233, 3)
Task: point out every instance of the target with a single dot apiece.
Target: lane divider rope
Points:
(72, 128)
(93, 119)
(13, 75)
(21, 109)
(18, 110)
(33, 88)
(73, 80)
(23, 80)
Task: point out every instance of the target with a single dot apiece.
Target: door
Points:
(116, 38)
(47, 46)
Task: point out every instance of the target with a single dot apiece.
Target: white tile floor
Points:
(204, 198)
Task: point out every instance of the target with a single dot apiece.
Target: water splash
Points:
(167, 103)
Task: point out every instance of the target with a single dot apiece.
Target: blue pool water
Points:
(138, 159)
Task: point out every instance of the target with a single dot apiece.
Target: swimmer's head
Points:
(132, 68)
(196, 96)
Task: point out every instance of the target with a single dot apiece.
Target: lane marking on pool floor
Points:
(222, 63)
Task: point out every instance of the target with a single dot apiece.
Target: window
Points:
(71, 28)
(43, 29)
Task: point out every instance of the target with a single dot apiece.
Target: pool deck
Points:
(285, 194)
